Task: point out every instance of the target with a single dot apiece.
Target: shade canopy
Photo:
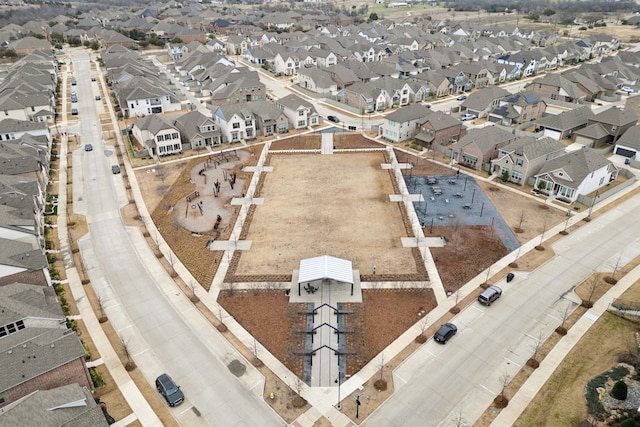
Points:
(325, 267)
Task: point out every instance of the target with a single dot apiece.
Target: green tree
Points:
(505, 175)
(619, 390)
(373, 17)
(10, 53)
(94, 45)
(56, 37)
(176, 39)
(549, 12)
(74, 41)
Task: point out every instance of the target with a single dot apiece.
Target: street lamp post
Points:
(358, 396)
(339, 381)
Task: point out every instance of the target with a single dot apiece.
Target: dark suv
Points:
(445, 333)
(169, 390)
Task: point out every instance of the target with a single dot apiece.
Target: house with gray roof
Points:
(21, 219)
(439, 130)
(197, 130)
(481, 102)
(563, 125)
(517, 108)
(67, 405)
(316, 80)
(157, 135)
(478, 147)
(556, 87)
(37, 350)
(301, 114)
(628, 145)
(606, 127)
(235, 121)
(576, 173)
(523, 157)
(403, 123)
(142, 96)
(269, 119)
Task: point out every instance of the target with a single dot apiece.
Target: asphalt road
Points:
(441, 384)
(163, 333)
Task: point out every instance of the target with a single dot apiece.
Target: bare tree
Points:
(100, 302)
(381, 381)
(537, 342)
(459, 420)
(519, 228)
(221, 327)
(564, 313)
(501, 400)
(612, 279)
(544, 228)
(457, 296)
(591, 285)
(172, 261)
(130, 365)
(193, 284)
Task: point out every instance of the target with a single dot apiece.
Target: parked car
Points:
(73, 81)
(468, 116)
(169, 390)
(93, 79)
(445, 333)
(115, 169)
(74, 111)
(98, 98)
(88, 147)
(74, 99)
(461, 97)
(489, 295)
(626, 89)
(333, 119)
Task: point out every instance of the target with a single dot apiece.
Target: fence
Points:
(589, 201)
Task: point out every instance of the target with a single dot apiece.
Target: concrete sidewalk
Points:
(518, 403)
(142, 411)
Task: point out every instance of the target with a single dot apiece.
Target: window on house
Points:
(175, 135)
(160, 138)
(234, 136)
(516, 176)
(301, 123)
(236, 126)
(519, 162)
(301, 113)
(248, 122)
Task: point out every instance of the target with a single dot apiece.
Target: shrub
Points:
(629, 422)
(96, 377)
(594, 405)
(619, 390)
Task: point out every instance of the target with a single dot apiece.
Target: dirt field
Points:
(336, 205)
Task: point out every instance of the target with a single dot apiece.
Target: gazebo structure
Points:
(323, 268)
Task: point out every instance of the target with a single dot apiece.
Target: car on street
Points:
(74, 99)
(489, 295)
(333, 119)
(73, 81)
(115, 169)
(445, 333)
(93, 79)
(626, 89)
(468, 116)
(461, 97)
(88, 147)
(169, 390)
(98, 98)
(74, 111)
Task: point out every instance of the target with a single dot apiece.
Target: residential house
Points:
(317, 80)
(269, 119)
(37, 350)
(478, 147)
(12, 129)
(157, 135)
(29, 44)
(484, 100)
(438, 84)
(439, 130)
(66, 405)
(628, 145)
(575, 173)
(606, 127)
(518, 108)
(556, 87)
(364, 97)
(235, 121)
(197, 131)
(141, 96)
(563, 125)
(523, 157)
(342, 76)
(403, 123)
(301, 113)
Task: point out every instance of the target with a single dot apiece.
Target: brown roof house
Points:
(576, 173)
(478, 147)
(37, 350)
(439, 130)
(606, 127)
(523, 157)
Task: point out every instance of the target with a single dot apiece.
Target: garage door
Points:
(625, 152)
